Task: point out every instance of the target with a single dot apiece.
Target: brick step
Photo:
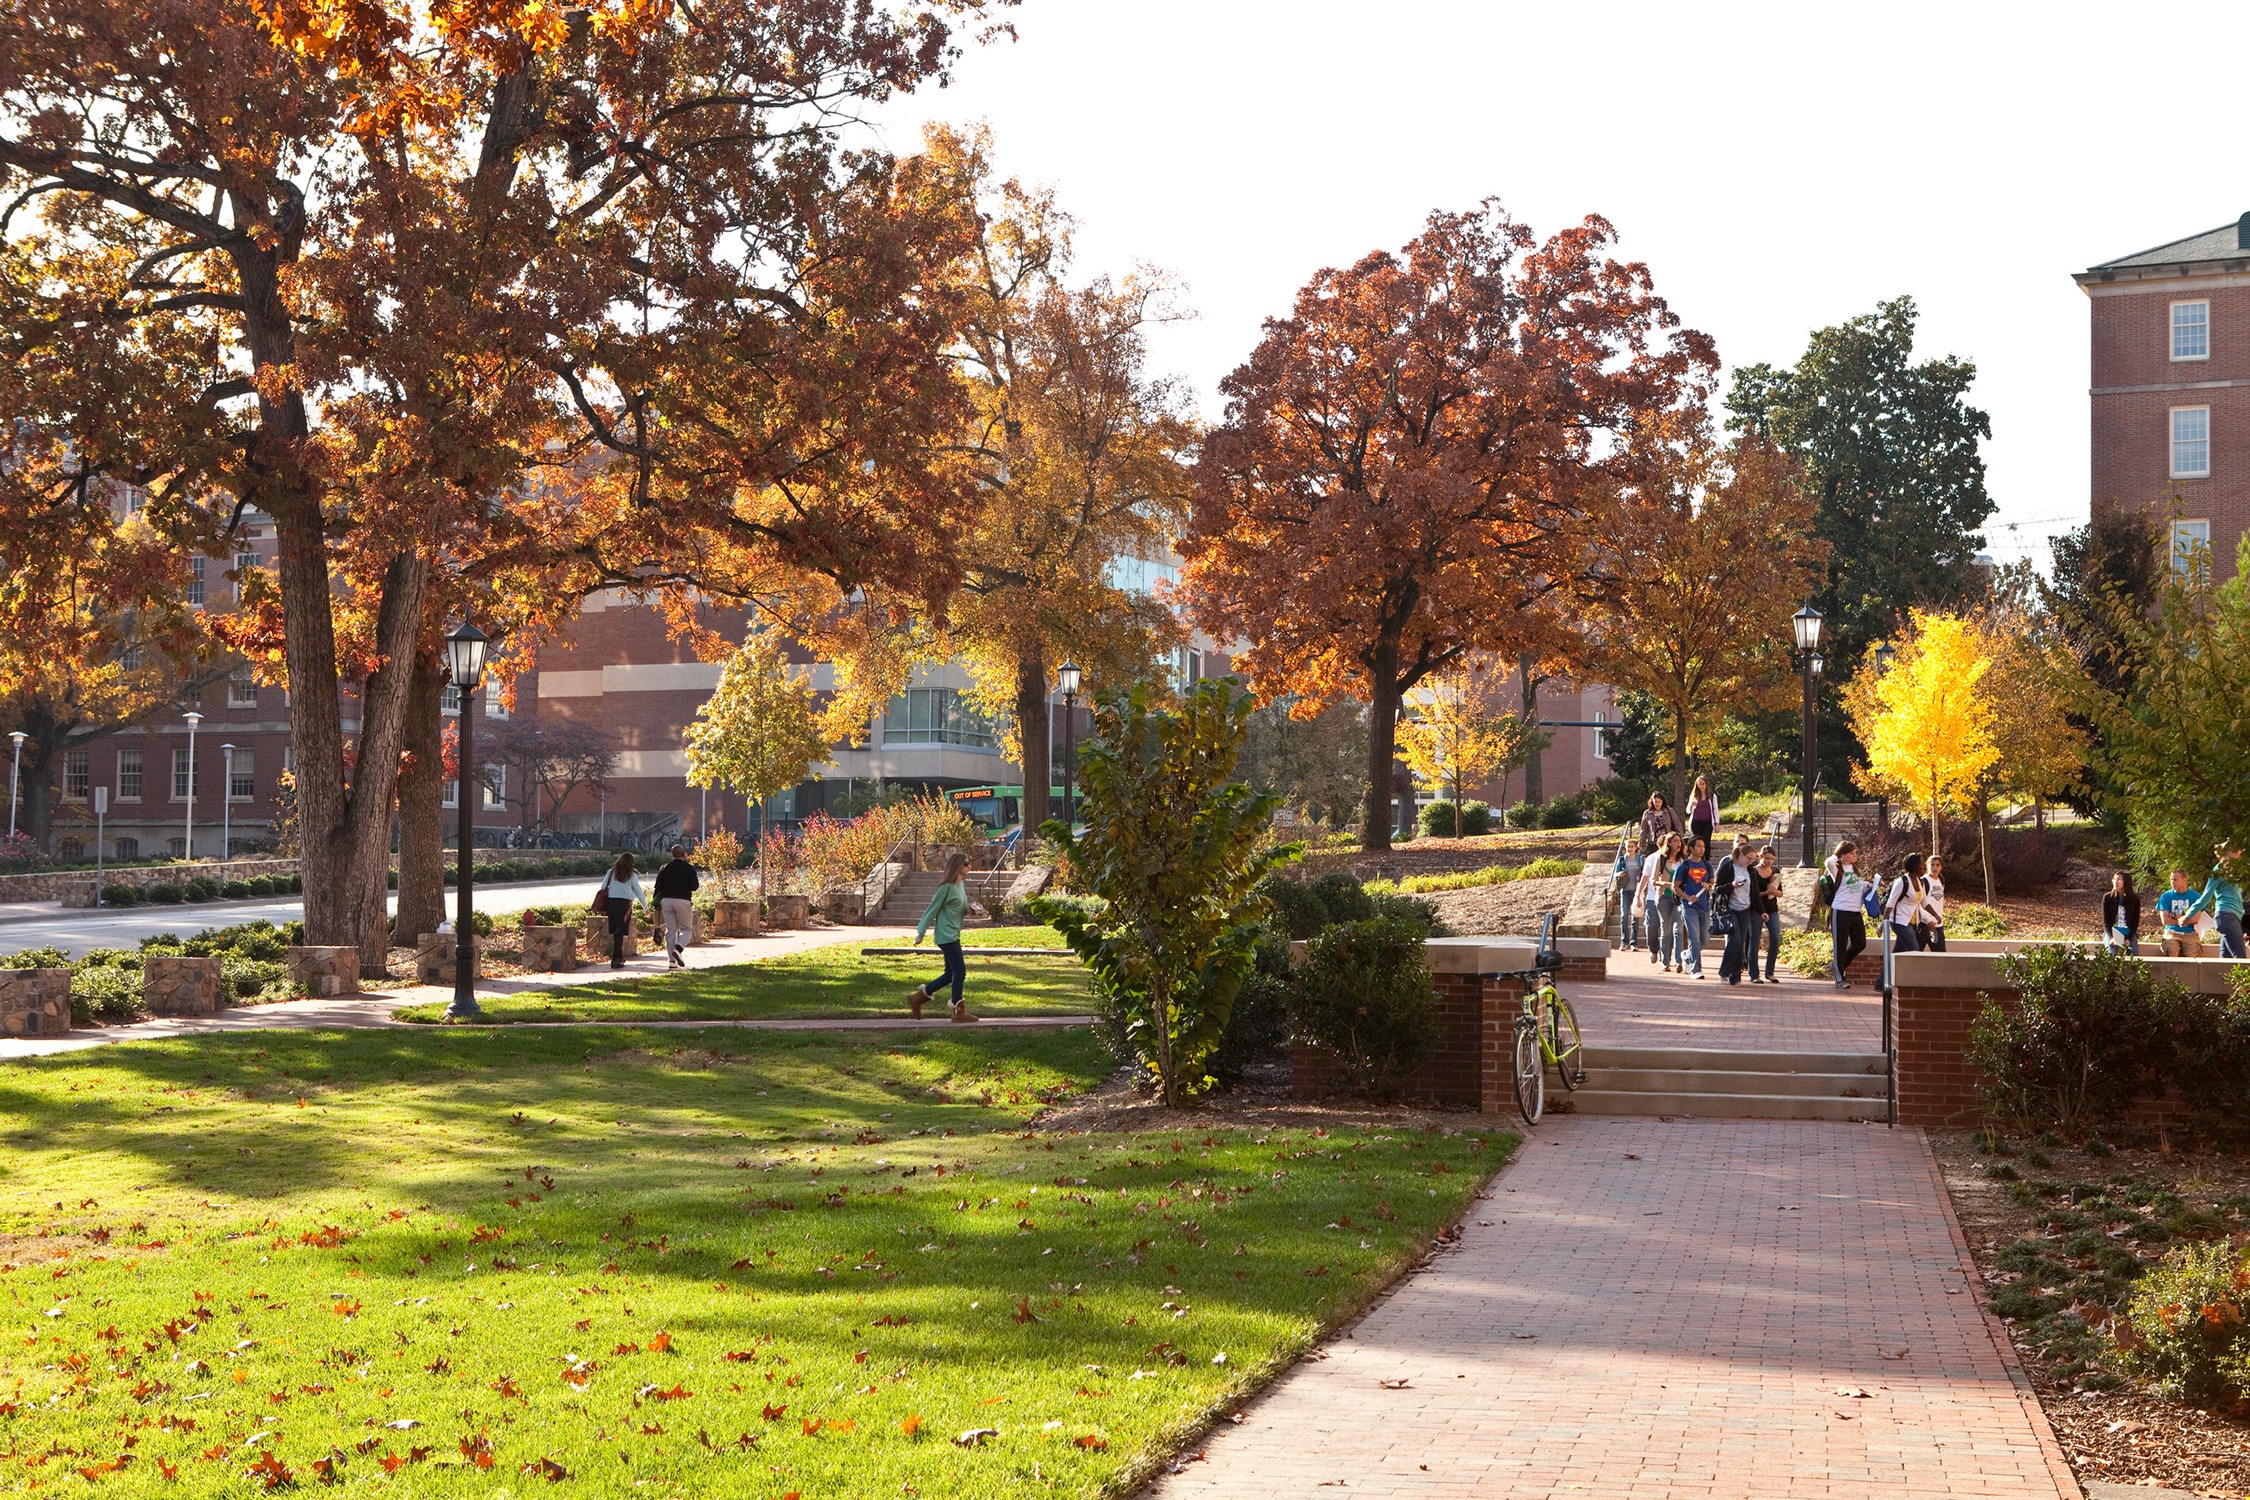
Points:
(1695, 1081)
(1593, 1101)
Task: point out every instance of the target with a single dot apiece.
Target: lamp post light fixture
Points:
(15, 778)
(1067, 679)
(187, 849)
(464, 658)
(1805, 626)
(1885, 654)
(226, 802)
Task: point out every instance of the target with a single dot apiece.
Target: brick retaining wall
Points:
(1476, 1014)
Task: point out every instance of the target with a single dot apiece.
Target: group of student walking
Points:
(1912, 905)
(1677, 898)
(2190, 918)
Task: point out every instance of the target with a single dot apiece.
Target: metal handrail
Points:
(871, 897)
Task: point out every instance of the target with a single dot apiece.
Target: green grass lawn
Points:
(824, 982)
(694, 1263)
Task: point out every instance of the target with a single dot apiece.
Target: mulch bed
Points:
(2128, 1434)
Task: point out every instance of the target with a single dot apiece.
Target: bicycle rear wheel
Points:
(1570, 1051)
(1530, 1071)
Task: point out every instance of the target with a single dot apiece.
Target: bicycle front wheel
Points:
(1569, 1050)
(1530, 1071)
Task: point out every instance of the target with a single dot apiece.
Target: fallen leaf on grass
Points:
(911, 1426)
(1023, 1312)
(546, 1468)
(276, 1474)
(1091, 1443)
(975, 1436)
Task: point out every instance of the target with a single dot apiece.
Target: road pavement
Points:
(76, 929)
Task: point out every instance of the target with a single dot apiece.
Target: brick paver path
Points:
(1652, 1311)
(1640, 1007)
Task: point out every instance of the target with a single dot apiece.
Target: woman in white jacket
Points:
(1906, 907)
(621, 892)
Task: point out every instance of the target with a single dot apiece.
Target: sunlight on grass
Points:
(664, 1263)
(824, 982)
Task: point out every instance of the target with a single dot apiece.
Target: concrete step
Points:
(1593, 1101)
(1713, 1059)
(1776, 1085)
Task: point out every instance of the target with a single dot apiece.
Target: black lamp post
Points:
(1884, 656)
(1067, 678)
(464, 654)
(1806, 623)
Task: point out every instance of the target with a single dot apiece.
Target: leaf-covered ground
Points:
(823, 982)
(654, 1263)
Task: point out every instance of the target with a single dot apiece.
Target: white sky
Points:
(1780, 167)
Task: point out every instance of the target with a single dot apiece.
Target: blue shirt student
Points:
(1693, 877)
(2177, 911)
(2219, 895)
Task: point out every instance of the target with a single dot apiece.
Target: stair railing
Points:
(885, 878)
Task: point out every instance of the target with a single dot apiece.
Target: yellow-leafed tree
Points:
(759, 731)
(1458, 737)
(1927, 723)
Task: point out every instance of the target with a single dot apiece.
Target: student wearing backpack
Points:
(1668, 902)
(1845, 895)
(1765, 914)
(1654, 873)
(1903, 907)
(1933, 907)
(1691, 883)
(1734, 891)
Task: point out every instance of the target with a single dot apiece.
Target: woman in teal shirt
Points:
(2222, 898)
(943, 920)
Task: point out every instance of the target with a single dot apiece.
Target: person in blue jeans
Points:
(2222, 898)
(1765, 913)
(943, 920)
(1667, 901)
(1691, 883)
(1627, 877)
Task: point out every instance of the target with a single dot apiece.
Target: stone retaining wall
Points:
(75, 888)
(180, 986)
(550, 950)
(435, 955)
(789, 912)
(34, 1002)
(735, 919)
(324, 970)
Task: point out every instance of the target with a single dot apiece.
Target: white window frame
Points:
(78, 775)
(2175, 440)
(243, 563)
(1601, 736)
(183, 773)
(495, 707)
(449, 701)
(242, 775)
(496, 790)
(195, 588)
(242, 688)
(137, 762)
(449, 793)
(2173, 329)
(2189, 537)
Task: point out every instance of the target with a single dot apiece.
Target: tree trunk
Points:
(1382, 746)
(1679, 769)
(1984, 847)
(1032, 732)
(421, 811)
(1534, 783)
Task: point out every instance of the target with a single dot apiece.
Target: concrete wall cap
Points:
(1980, 971)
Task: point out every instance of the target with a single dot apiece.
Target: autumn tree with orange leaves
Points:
(368, 266)
(1702, 567)
(1413, 463)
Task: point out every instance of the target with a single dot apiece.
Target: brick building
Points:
(2171, 386)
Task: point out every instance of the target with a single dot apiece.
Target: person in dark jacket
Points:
(675, 900)
(2121, 915)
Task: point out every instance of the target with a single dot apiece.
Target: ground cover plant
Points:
(824, 982)
(1543, 868)
(656, 1263)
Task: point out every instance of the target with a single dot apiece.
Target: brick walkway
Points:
(1641, 1007)
(1668, 1326)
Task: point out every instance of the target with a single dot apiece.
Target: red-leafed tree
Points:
(369, 267)
(1414, 462)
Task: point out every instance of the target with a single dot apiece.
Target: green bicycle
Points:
(1546, 1034)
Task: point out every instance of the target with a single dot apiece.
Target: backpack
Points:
(1825, 888)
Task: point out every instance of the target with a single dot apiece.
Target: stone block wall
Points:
(789, 912)
(597, 939)
(550, 950)
(179, 986)
(846, 904)
(34, 1002)
(735, 919)
(435, 954)
(324, 970)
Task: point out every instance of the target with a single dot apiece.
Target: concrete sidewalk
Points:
(374, 1009)
(1659, 1311)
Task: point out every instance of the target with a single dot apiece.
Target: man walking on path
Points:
(675, 898)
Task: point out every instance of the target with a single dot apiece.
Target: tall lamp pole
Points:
(187, 849)
(1068, 680)
(226, 802)
(464, 655)
(1806, 623)
(15, 778)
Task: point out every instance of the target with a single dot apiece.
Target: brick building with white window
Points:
(2171, 386)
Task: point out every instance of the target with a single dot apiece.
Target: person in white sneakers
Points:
(675, 899)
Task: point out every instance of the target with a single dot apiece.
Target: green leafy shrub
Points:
(1364, 993)
(36, 958)
(1524, 815)
(1296, 912)
(200, 888)
(121, 895)
(110, 996)
(251, 979)
(1810, 955)
(259, 940)
(1972, 919)
(1259, 1022)
(1617, 799)
(1546, 867)
(1388, 907)
(234, 890)
(1562, 812)
(1437, 819)
(296, 882)
(1175, 847)
(164, 893)
(2187, 1324)
(1342, 897)
(2090, 1032)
